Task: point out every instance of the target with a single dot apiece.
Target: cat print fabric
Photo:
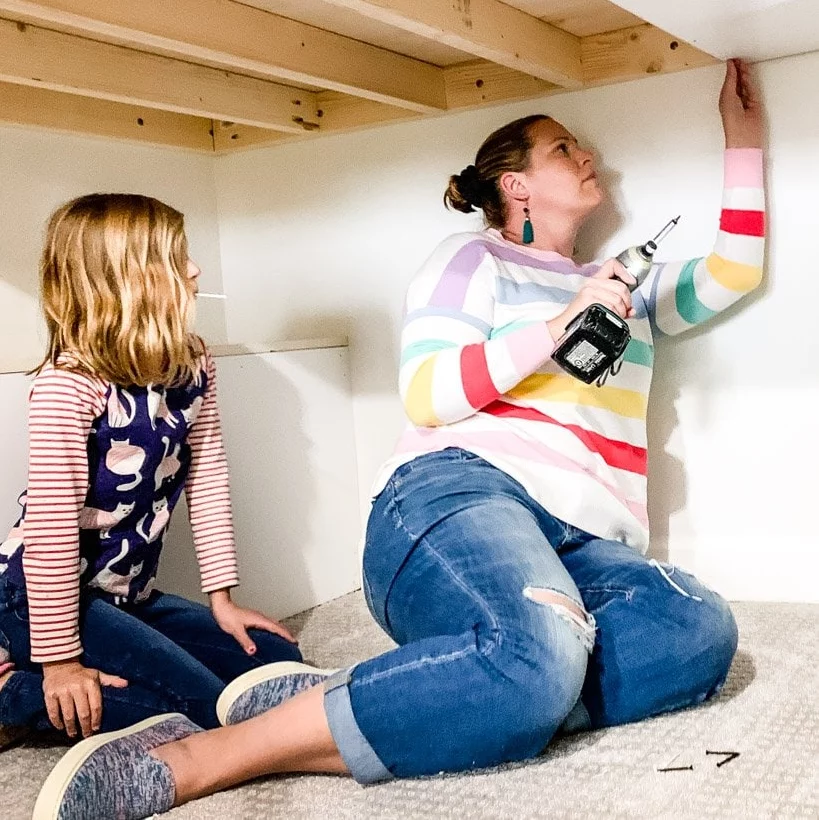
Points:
(138, 460)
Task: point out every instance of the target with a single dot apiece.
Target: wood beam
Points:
(30, 106)
(248, 40)
(628, 54)
(635, 52)
(470, 85)
(62, 62)
(488, 29)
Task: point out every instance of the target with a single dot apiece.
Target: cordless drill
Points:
(594, 341)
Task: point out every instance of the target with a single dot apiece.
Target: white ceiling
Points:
(755, 29)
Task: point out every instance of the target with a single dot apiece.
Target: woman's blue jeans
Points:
(171, 651)
(511, 625)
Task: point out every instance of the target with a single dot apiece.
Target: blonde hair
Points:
(117, 298)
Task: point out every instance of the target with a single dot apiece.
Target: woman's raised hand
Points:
(740, 107)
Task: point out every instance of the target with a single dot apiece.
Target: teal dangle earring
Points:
(528, 231)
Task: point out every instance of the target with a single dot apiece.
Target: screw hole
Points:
(674, 45)
(140, 121)
(479, 83)
(234, 136)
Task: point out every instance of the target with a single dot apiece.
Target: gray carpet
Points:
(767, 712)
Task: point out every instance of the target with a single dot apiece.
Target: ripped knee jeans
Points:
(498, 648)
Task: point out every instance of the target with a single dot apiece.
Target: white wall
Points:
(320, 238)
(288, 426)
(323, 236)
(40, 170)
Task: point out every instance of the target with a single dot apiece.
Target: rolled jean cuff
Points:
(363, 763)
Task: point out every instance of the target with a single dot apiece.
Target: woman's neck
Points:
(551, 236)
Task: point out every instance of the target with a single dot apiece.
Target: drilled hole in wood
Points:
(234, 136)
(140, 121)
(674, 45)
(479, 83)
(319, 113)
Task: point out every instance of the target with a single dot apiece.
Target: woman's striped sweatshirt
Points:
(476, 370)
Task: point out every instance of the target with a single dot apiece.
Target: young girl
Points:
(122, 419)
(505, 546)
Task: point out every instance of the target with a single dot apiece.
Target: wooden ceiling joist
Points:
(47, 59)
(41, 107)
(485, 28)
(223, 74)
(243, 39)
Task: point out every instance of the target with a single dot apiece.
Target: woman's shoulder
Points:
(455, 242)
(460, 252)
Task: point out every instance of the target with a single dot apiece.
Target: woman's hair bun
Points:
(471, 185)
(465, 190)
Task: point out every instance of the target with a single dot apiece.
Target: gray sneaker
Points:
(264, 688)
(113, 776)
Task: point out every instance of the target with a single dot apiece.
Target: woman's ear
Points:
(513, 186)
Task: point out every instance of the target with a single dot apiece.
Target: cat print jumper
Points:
(107, 465)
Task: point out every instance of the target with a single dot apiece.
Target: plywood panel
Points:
(580, 17)
(288, 428)
(342, 21)
(755, 29)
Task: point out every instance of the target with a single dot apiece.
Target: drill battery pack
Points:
(592, 344)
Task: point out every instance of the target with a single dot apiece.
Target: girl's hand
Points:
(740, 107)
(236, 620)
(72, 692)
(607, 287)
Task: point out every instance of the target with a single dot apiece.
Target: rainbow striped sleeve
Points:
(684, 294)
(450, 368)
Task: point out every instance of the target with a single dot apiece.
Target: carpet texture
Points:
(768, 712)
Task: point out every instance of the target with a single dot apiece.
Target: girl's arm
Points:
(62, 408)
(208, 495)
(450, 368)
(681, 295)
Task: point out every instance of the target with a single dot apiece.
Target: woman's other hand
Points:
(740, 107)
(608, 287)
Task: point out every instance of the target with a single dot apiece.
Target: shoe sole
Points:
(236, 688)
(51, 794)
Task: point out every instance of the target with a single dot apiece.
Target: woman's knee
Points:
(717, 635)
(664, 643)
(706, 626)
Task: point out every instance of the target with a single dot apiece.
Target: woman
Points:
(505, 545)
